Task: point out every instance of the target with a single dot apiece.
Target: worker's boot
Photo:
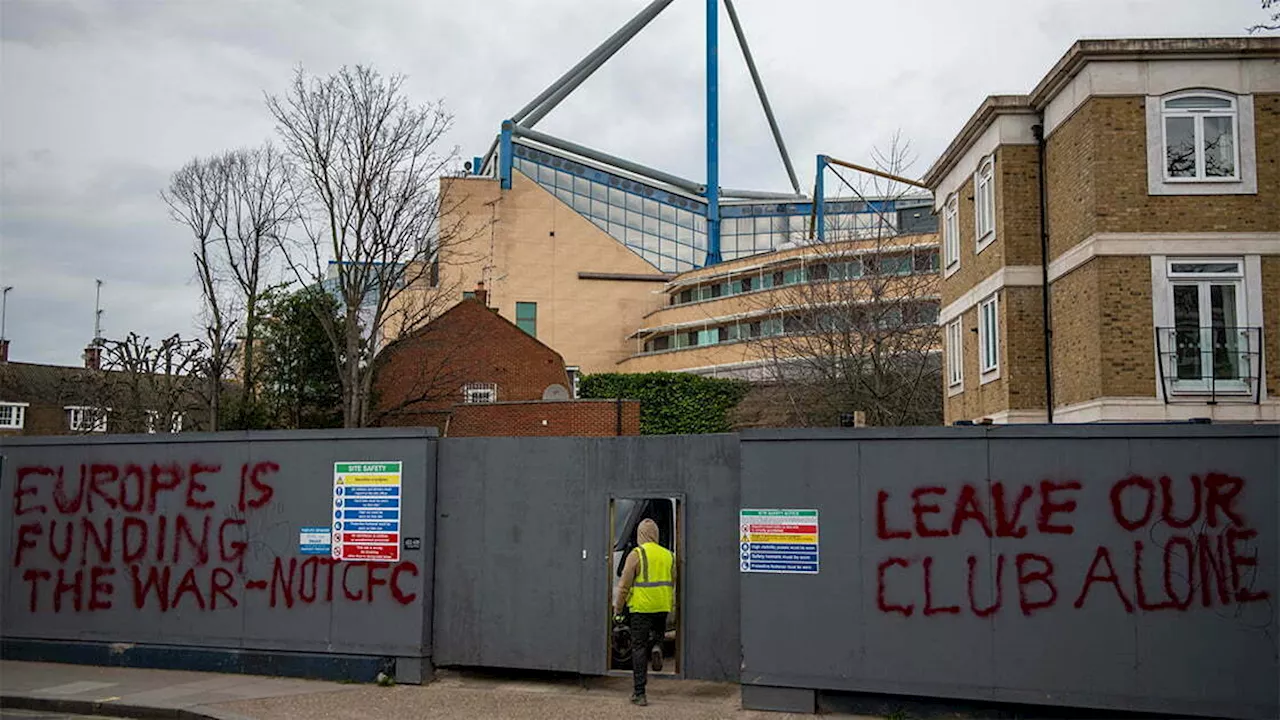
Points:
(655, 660)
(639, 700)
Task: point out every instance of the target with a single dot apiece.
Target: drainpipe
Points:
(1038, 131)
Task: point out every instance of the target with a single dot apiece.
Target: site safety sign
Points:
(778, 541)
(366, 511)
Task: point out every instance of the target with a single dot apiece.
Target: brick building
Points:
(472, 372)
(38, 399)
(1160, 240)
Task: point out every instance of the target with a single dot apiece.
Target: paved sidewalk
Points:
(130, 692)
(134, 692)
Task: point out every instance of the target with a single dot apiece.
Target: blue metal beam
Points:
(505, 158)
(820, 200)
(713, 134)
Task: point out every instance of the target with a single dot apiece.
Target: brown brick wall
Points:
(1126, 327)
(1103, 331)
(1076, 350)
(469, 343)
(1071, 158)
(581, 418)
(1017, 205)
(46, 420)
(973, 268)
(41, 419)
(1022, 347)
(1017, 221)
(1271, 322)
(1098, 178)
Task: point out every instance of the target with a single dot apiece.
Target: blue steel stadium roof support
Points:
(816, 224)
(530, 114)
(819, 203)
(676, 181)
(610, 46)
(593, 60)
(713, 134)
(764, 98)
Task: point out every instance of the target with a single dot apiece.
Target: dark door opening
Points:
(625, 515)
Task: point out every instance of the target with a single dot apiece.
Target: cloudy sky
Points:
(101, 100)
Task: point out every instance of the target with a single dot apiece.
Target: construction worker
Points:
(647, 590)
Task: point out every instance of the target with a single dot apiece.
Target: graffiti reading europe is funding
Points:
(1205, 555)
(92, 537)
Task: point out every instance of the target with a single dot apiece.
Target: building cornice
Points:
(1008, 276)
(991, 108)
(1074, 60)
(1147, 244)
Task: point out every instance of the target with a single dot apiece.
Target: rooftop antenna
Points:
(4, 308)
(97, 314)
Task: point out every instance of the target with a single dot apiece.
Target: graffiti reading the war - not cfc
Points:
(148, 535)
(1188, 543)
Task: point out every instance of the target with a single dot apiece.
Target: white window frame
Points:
(575, 380)
(1202, 280)
(951, 235)
(19, 415)
(479, 393)
(175, 422)
(1198, 116)
(989, 338)
(984, 203)
(76, 418)
(955, 355)
(1245, 181)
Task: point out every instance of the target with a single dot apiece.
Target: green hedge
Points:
(671, 403)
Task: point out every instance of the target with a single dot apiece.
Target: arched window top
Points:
(984, 203)
(1200, 136)
(1200, 101)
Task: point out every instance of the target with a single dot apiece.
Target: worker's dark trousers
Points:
(647, 630)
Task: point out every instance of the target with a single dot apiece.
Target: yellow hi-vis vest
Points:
(654, 589)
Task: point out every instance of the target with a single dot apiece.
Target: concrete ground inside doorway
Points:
(128, 692)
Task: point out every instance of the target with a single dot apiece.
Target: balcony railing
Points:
(1210, 364)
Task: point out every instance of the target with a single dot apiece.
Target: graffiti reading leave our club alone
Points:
(1205, 556)
(149, 535)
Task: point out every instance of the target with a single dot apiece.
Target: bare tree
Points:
(252, 219)
(376, 222)
(1273, 21)
(144, 387)
(855, 327)
(238, 206)
(196, 196)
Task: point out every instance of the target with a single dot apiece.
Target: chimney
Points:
(4, 351)
(482, 295)
(93, 356)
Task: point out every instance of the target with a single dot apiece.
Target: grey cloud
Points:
(41, 23)
(104, 99)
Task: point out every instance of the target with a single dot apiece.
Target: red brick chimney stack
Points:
(93, 356)
(4, 351)
(482, 295)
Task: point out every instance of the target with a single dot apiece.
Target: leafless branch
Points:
(366, 171)
(144, 387)
(1273, 23)
(859, 331)
(196, 196)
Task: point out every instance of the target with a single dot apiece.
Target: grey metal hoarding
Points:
(1129, 567)
(194, 540)
(522, 570)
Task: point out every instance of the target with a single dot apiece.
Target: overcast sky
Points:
(101, 100)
